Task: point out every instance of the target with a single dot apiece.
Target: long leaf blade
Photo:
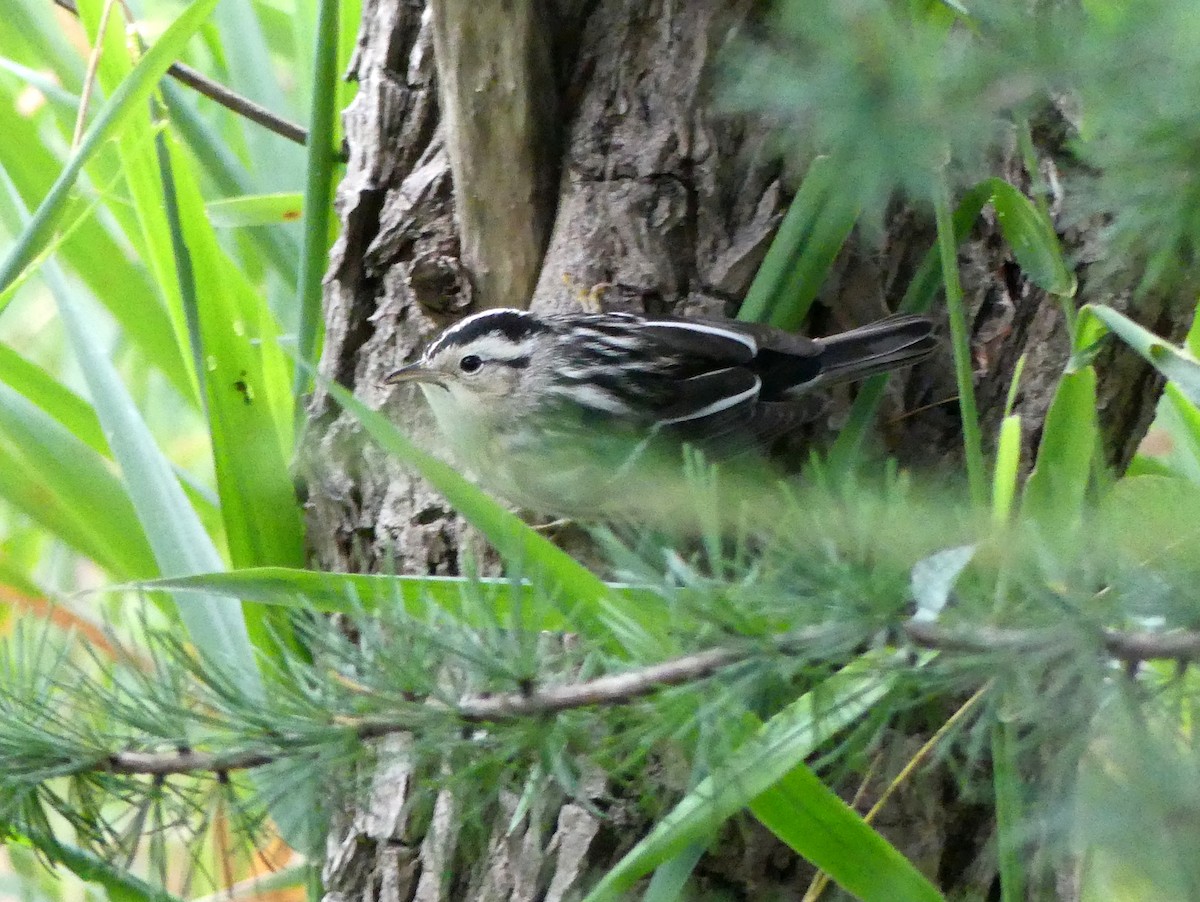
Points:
(60, 482)
(258, 501)
(516, 542)
(1032, 239)
(318, 186)
(1055, 491)
(1177, 364)
(816, 225)
(362, 593)
(752, 772)
(813, 820)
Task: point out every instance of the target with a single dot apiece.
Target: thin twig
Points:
(237, 103)
(622, 688)
(606, 690)
(1178, 645)
(166, 764)
(231, 100)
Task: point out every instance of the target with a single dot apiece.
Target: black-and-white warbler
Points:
(556, 412)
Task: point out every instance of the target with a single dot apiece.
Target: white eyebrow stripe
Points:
(716, 406)
(464, 325)
(497, 347)
(707, 329)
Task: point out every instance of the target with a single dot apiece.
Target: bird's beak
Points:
(414, 372)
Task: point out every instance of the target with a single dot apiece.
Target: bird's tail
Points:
(876, 348)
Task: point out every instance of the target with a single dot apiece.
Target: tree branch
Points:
(621, 688)
(493, 708)
(239, 104)
(165, 764)
(1179, 645)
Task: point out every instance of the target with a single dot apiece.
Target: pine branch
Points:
(621, 688)
(166, 764)
(1128, 647)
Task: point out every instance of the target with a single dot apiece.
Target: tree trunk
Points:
(605, 164)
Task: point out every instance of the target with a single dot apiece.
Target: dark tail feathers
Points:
(876, 348)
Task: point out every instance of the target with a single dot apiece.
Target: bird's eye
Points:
(470, 364)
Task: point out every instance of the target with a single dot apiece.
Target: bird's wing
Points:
(773, 419)
(781, 359)
(709, 340)
(772, 338)
(709, 405)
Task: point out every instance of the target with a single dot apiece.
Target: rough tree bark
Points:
(643, 187)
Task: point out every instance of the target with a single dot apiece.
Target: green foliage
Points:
(128, 97)
(103, 475)
(903, 95)
(145, 441)
(768, 774)
(1057, 487)
(796, 614)
(818, 221)
(1134, 67)
(318, 191)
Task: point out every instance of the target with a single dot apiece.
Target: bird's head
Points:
(481, 365)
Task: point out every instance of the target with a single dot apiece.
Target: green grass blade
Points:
(1032, 239)
(258, 502)
(255, 209)
(670, 878)
(341, 593)
(119, 885)
(918, 298)
(61, 483)
(1176, 364)
(753, 774)
(353, 593)
(818, 221)
(125, 101)
(53, 397)
(1181, 419)
(1007, 780)
(809, 817)
(318, 192)
(1055, 491)
(351, 12)
(1008, 461)
(961, 345)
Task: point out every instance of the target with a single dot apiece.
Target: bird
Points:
(578, 415)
